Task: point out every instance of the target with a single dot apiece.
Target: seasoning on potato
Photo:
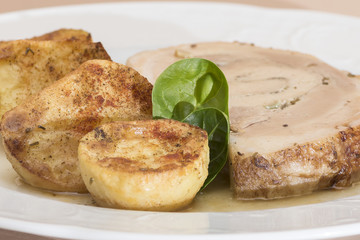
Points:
(42, 134)
(155, 165)
(29, 65)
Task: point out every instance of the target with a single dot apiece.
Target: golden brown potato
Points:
(27, 66)
(65, 34)
(156, 165)
(41, 135)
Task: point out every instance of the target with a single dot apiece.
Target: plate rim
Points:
(202, 236)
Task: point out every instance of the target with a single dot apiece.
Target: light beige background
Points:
(349, 7)
(346, 7)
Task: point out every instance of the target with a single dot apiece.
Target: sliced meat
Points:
(295, 120)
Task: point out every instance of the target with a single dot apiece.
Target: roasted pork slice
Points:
(295, 120)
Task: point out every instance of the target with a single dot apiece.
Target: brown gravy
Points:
(217, 197)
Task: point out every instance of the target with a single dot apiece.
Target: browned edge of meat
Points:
(300, 169)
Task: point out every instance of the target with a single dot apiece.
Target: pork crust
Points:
(332, 162)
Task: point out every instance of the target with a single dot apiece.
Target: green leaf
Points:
(216, 124)
(182, 110)
(196, 81)
(195, 91)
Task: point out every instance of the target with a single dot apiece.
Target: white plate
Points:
(126, 28)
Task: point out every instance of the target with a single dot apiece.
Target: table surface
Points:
(346, 7)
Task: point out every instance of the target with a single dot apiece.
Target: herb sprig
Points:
(195, 91)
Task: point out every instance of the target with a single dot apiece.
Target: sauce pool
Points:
(217, 197)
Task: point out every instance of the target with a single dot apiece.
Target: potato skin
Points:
(41, 135)
(156, 165)
(28, 66)
(65, 34)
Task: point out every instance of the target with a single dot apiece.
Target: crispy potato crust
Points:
(28, 66)
(41, 135)
(155, 165)
(65, 35)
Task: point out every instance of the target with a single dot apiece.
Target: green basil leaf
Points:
(195, 91)
(216, 124)
(196, 81)
(182, 110)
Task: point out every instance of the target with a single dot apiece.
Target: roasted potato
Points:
(41, 135)
(155, 165)
(65, 35)
(27, 66)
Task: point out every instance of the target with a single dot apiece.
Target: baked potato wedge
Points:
(156, 165)
(41, 135)
(27, 66)
(64, 34)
